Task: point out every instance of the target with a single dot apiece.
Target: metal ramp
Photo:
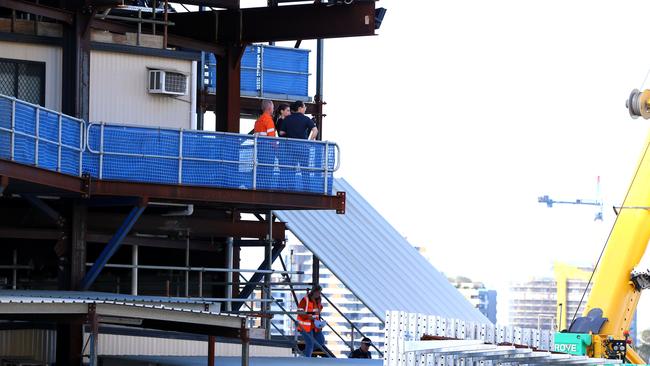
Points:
(361, 247)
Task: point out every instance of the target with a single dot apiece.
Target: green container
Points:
(572, 343)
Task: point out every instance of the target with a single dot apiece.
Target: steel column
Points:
(113, 245)
(229, 264)
(211, 350)
(228, 89)
(134, 270)
(315, 274)
(267, 278)
(78, 243)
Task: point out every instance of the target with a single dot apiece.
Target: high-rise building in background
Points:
(552, 303)
(483, 299)
(299, 258)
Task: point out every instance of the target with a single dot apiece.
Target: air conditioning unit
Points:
(167, 82)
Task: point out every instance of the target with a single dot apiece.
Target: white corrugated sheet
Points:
(375, 262)
(122, 345)
(35, 344)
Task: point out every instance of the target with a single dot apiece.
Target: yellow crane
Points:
(602, 331)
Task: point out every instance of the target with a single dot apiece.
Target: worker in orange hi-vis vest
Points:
(266, 147)
(309, 322)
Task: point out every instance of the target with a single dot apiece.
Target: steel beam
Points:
(172, 39)
(227, 198)
(257, 277)
(199, 227)
(223, 4)
(40, 176)
(42, 10)
(4, 183)
(112, 245)
(230, 197)
(251, 25)
(45, 208)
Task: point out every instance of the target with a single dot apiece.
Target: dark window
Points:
(24, 80)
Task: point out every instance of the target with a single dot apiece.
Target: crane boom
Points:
(616, 288)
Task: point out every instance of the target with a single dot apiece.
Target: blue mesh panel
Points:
(91, 160)
(25, 146)
(25, 119)
(249, 81)
(70, 132)
(156, 150)
(5, 122)
(287, 59)
(288, 84)
(48, 130)
(227, 171)
(249, 58)
(69, 161)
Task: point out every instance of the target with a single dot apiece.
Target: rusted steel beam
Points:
(4, 183)
(198, 227)
(231, 198)
(228, 197)
(172, 39)
(30, 233)
(41, 176)
(42, 10)
(312, 21)
(224, 4)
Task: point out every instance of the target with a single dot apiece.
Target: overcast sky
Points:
(459, 114)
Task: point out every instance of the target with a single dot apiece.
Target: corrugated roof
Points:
(375, 262)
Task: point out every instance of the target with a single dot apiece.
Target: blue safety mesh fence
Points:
(209, 159)
(268, 71)
(219, 160)
(29, 130)
(294, 165)
(166, 156)
(135, 154)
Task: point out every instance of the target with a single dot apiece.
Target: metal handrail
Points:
(354, 327)
(256, 141)
(37, 135)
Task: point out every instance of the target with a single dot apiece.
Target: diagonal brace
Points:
(257, 277)
(113, 245)
(45, 208)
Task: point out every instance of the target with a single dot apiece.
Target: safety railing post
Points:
(261, 69)
(81, 148)
(60, 145)
(13, 130)
(351, 338)
(326, 166)
(180, 157)
(101, 150)
(36, 127)
(255, 162)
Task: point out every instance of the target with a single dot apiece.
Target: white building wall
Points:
(118, 91)
(53, 58)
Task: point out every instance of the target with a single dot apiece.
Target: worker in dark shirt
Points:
(364, 350)
(297, 125)
(294, 171)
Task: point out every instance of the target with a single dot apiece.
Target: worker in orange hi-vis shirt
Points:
(264, 125)
(266, 148)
